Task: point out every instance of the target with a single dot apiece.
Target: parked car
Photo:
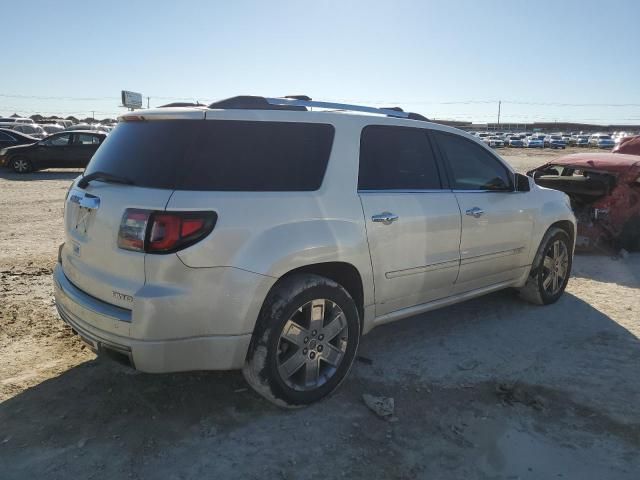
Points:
(88, 127)
(51, 128)
(582, 141)
(494, 142)
(605, 196)
(65, 150)
(516, 141)
(601, 140)
(11, 138)
(630, 145)
(533, 142)
(242, 236)
(568, 140)
(32, 130)
(13, 120)
(554, 141)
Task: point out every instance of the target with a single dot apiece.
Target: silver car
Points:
(256, 234)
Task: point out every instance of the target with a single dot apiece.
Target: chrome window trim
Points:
(483, 191)
(433, 190)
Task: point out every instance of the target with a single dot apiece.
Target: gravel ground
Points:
(491, 388)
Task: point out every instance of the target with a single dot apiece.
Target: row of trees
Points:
(38, 118)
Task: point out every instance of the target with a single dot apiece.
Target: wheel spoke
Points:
(292, 364)
(564, 257)
(294, 333)
(555, 282)
(306, 359)
(312, 371)
(317, 315)
(556, 249)
(332, 355)
(548, 263)
(546, 283)
(334, 327)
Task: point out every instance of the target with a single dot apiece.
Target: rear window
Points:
(217, 155)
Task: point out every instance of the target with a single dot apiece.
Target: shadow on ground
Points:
(623, 271)
(492, 388)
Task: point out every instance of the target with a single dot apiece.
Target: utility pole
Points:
(147, 102)
(499, 106)
(93, 115)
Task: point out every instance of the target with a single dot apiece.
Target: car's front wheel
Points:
(550, 270)
(305, 341)
(21, 165)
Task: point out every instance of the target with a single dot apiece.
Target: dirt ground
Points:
(491, 388)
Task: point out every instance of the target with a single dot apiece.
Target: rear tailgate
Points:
(145, 150)
(91, 258)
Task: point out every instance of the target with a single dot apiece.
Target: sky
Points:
(561, 60)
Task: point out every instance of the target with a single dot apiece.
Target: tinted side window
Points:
(471, 166)
(217, 154)
(86, 139)
(59, 140)
(396, 158)
(6, 138)
(258, 156)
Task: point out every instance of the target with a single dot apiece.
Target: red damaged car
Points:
(604, 189)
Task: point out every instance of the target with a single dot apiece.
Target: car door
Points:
(54, 151)
(83, 147)
(497, 221)
(412, 219)
(7, 140)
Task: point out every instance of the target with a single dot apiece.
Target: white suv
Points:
(258, 235)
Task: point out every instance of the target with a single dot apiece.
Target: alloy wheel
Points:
(312, 345)
(556, 266)
(21, 165)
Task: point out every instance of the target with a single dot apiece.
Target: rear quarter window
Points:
(258, 156)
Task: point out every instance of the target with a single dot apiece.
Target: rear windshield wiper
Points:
(105, 177)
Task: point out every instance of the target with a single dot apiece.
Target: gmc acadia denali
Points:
(257, 234)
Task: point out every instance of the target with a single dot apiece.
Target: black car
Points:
(10, 138)
(65, 149)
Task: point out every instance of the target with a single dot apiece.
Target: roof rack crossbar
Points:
(336, 106)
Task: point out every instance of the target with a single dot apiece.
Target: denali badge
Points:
(122, 296)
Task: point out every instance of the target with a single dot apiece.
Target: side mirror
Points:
(522, 183)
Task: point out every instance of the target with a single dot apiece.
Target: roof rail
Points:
(303, 103)
(335, 106)
(250, 102)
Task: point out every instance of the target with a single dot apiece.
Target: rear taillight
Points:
(163, 232)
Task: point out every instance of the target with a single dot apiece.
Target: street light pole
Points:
(499, 106)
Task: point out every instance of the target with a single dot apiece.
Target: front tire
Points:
(304, 342)
(550, 270)
(21, 165)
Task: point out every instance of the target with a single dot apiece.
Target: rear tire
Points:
(21, 165)
(550, 270)
(304, 342)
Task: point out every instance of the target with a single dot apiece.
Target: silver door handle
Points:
(475, 212)
(386, 218)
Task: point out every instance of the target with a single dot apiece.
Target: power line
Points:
(367, 101)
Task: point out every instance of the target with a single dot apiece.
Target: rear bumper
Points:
(83, 313)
